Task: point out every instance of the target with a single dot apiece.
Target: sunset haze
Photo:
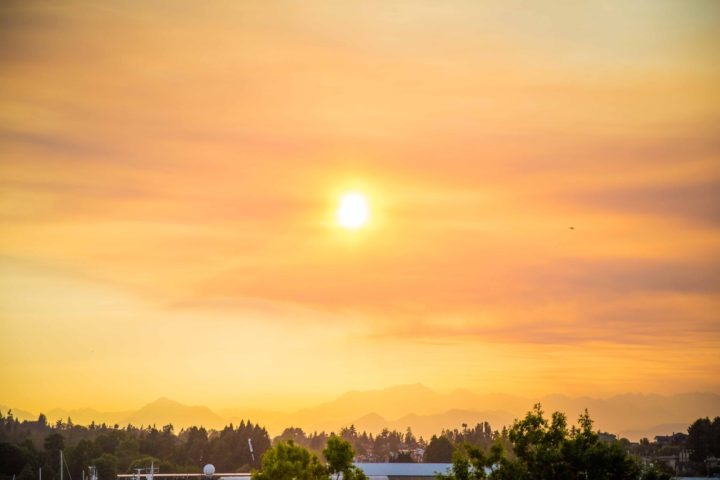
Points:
(541, 184)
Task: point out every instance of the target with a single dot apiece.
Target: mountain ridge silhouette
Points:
(426, 411)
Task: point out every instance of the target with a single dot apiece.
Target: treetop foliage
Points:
(289, 461)
(113, 449)
(546, 449)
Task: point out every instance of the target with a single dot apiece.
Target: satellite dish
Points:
(209, 470)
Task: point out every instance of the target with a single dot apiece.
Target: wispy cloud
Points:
(544, 185)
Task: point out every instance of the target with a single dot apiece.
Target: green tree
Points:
(288, 461)
(409, 437)
(704, 438)
(469, 463)
(12, 459)
(195, 448)
(54, 443)
(27, 473)
(107, 442)
(546, 449)
(439, 450)
(79, 457)
(297, 435)
(339, 455)
(127, 450)
(106, 465)
(656, 472)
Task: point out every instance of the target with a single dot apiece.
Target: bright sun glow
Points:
(353, 211)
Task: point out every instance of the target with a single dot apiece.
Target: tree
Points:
(348, 433)
(704, 439)
(126, 451)
(12, 459)
(409, 437)
(27, 473)
(297, 435)
(196, 445)
(545, 449)
(79, 457)
(469, 463)
(339, 455)
(288, 461)
(54, 443)
(439, 450)
(106, 465)
(108, 441)
(656, 471)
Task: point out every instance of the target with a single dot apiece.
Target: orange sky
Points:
(169, 172)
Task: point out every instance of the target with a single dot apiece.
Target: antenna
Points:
(149, 476)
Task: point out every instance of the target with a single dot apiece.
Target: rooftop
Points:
(403, 469)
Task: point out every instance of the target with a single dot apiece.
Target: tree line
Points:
(28, 446)
(533, 447)
(395, 446)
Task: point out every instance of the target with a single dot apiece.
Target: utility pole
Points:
(252, 453)
(61, 465)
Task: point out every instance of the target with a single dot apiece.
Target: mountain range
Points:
(632, 415)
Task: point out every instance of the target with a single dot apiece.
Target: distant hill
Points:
(164, 411)
(426, 411)
(17, 413)
(85, 416)
(372, 422)
(161, 412)
(428, 425)
(639, 415)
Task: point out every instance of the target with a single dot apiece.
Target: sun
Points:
(353, 211)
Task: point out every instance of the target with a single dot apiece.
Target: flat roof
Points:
(404, 469)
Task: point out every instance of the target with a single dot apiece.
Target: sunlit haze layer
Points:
(542, 179)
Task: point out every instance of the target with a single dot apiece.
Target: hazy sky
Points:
(169, 173)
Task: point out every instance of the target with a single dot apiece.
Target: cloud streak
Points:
(544, 185)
